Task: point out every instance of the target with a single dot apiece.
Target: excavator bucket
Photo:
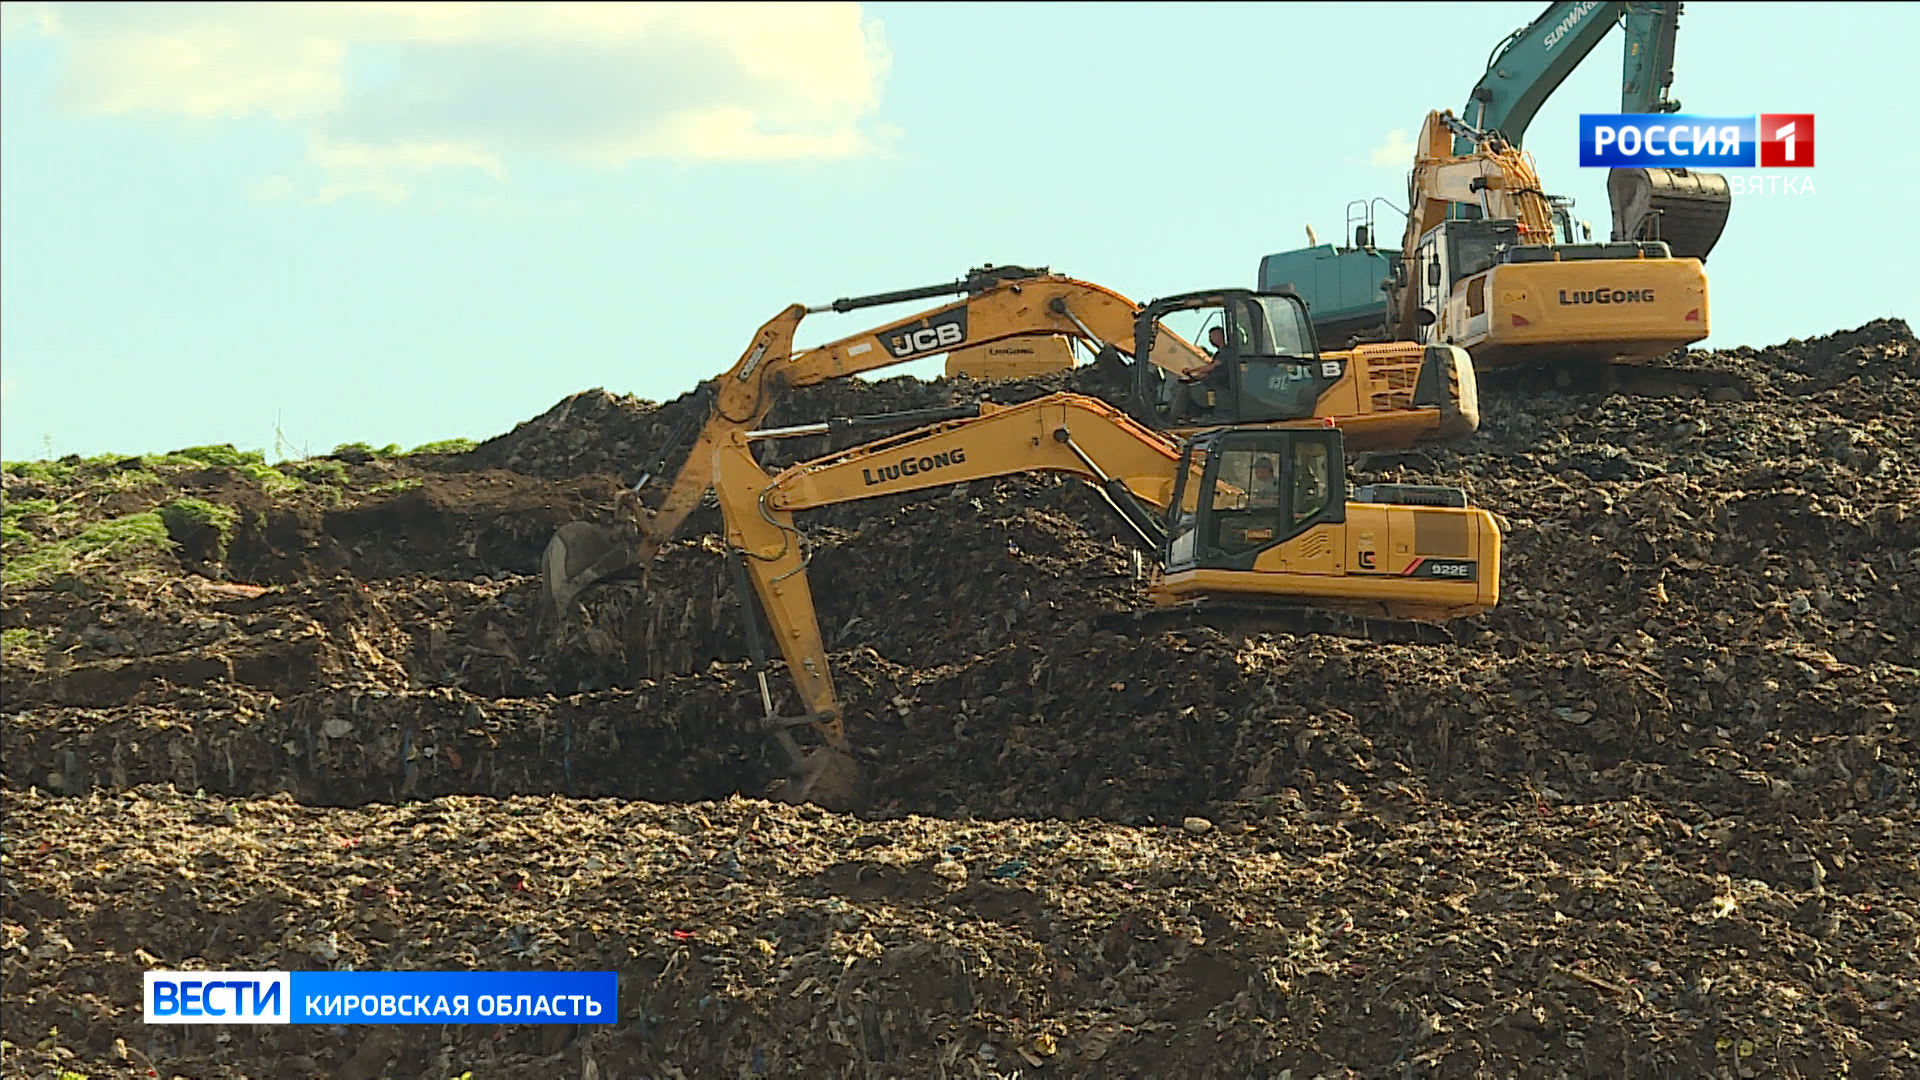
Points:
(826, 776)
(830, 779)
(579, 555)
(1686, 209)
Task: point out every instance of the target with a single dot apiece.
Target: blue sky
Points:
(408, 222)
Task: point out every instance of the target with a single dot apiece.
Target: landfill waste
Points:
(1653, 815)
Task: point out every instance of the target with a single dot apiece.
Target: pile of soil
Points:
(1652, 815)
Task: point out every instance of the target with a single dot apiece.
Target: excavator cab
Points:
(1265, 360)
(1240, 494)
(1262, 518)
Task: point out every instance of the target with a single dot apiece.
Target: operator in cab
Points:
(1211, 387)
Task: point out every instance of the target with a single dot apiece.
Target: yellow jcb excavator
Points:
(1239, 521)
(1268, 371)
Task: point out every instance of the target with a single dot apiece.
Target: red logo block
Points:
(1786, 140)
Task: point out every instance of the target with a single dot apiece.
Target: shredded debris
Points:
(1652, 815)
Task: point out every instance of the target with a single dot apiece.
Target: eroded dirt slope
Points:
(1654, 815)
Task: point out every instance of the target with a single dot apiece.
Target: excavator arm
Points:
(1685, 208)
(1133, 467)
(1646, 67)
(1524, 70)
(1141, 473)
(1491, 175)
(1002, 303)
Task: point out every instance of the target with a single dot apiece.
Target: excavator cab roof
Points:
(1208, 442)
(1258, 323)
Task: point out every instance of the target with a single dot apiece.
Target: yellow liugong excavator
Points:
(1250, 518)
(1266, 370)
(1016, 358)
(1509, 290)
(1492, 263)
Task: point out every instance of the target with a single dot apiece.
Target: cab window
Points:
(1309, 480)
(1248, 508)
(1181, 534)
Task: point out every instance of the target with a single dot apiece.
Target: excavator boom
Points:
(1035, 436)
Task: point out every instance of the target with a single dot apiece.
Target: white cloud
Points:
(388, 92)
(1395, 152)
(200, 71)
(21, 20)
(389, 192)
(272, 189)
(413, 156)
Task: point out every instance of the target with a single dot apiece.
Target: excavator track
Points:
(1586, 375)
(1244, 619)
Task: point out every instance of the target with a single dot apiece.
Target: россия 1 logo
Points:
(1675, 141)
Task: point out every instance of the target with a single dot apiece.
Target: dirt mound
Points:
(1369, 938)
(1654, 812)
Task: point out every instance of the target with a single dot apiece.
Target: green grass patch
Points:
(20, 644)
(249, 463)
(320, 471)
(130, 479)
(65, 469)
(121, 472)
(186, 519)
(13, 512)
(444, 446)
(27, 507)
(133, 537)
(222, 454)
(394, 487)
(175, 460)
(46, 472)
(360, 449)
(272, 479)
